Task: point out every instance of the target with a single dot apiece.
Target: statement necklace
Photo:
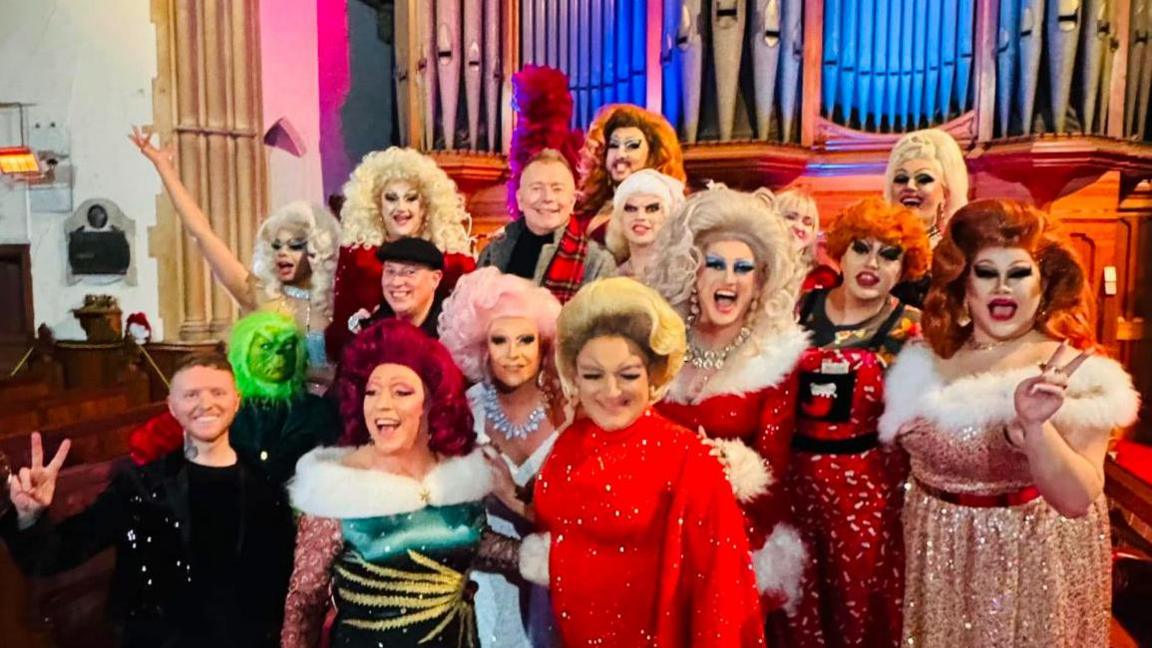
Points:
(494, 412)
(296, 292)
(709, 359)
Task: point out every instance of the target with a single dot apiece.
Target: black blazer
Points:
(144, 512)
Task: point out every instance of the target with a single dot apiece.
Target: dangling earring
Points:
(965, 316)
(693, 308)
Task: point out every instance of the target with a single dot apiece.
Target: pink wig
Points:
(392, 341)
(485, 295)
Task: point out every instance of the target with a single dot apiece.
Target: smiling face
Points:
(203, 400)
(546, 196)
(409, 288)
(513, 351)
(642, 217)
(394, 409)
(612, 381)
(402, 209)
(290, 250)
(919, 184)
(871, 268)
(726, 283)
(627, 153)
(803, 228)
(1003, 292)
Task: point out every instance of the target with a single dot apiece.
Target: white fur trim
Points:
(747, 471)
(756, 365)
(1099, 396)
(535, 549)
(779, 565)
(325, 487)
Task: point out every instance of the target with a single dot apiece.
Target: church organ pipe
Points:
(425, 28)
(671, 67)
(765, 43)
(791, 58)
(1063, 35)
(473, 67)
(690, 40)
(493, 74)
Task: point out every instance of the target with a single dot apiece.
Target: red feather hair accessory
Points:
(543, 105)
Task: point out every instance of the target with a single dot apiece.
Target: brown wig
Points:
(873, 218)
(1065, 303)
(664, 154)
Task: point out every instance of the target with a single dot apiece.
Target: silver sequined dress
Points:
(1019, 575)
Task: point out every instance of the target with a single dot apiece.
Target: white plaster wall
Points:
(291, 90)
(88, 65)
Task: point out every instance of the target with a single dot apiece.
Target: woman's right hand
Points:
(32, 488)
(142, 137)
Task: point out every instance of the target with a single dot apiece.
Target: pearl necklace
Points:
(709, 359)
(494, 412)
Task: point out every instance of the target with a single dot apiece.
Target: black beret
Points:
(412, 250)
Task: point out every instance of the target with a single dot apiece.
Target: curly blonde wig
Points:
(718, 214)
(664, 154)
(322, 231)
(483, 296)
(801, 202)
(932, 144)
(624, 307)
(446, 223)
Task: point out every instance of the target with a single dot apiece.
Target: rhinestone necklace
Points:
(709, 359)
(494, 412)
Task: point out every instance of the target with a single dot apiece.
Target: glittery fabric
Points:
(1017, 576)
(318, 542)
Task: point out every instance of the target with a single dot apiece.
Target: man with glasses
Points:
(413, 268)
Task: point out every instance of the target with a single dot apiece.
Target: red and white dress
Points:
(751, 401)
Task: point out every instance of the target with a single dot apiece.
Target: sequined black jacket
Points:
(144, 513)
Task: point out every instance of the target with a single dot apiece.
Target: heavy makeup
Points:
(612, 381)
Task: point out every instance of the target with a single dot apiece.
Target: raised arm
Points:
(223, 261)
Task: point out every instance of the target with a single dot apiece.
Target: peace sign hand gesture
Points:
(1038, 398)
(32, 488)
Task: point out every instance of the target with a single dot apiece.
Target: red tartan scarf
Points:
(565, 272)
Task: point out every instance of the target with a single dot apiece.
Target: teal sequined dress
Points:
(392, 555)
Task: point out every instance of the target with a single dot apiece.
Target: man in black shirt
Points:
(203, 541)
(413, 268)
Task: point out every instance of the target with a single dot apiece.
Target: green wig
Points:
(268, 356)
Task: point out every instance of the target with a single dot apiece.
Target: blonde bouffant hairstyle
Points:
(622, 307)
(322, 232)
(446, 223)
(719, 214)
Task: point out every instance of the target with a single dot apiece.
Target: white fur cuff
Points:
(747, 471)
(534, 551)
(779, 565)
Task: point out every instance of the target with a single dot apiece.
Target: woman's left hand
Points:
(1038, 398)
(503, 486)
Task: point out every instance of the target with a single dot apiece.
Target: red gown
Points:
(846, 489)
(647, 545)
(357, 286)
(753, 399)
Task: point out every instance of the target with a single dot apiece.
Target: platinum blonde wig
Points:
(801, 202)
(321, 230)
(446, 223)
(719, 214)
(483, 296)
(669, 190)
(932, 144)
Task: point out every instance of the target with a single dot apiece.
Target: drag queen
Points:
(500, 330)
(621, 140)
(640, 206)
(1005, 521)
(798, 209)
(393, 521)
(846, 490)
(646, 541)
(293, 263)
(926, 173)
(730, 269)
(395, 193)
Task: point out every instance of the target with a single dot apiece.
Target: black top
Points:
(428, 325)
(885, 332)
(214, 512)
(526, 253)
(275, 434)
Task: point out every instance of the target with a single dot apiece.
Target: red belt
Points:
(975, 500)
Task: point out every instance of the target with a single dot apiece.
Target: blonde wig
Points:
(624, 307)
(483, 296)
(321, 230)
(664, 154)
(801, 202)
(669, 190)
(718, 214)
(446, 223)
(932, 144)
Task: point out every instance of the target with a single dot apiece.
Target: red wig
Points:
(1065, 303)
(393, 341)
(873, 218)
(664, 154)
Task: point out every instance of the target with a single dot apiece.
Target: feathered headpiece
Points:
(543, 105)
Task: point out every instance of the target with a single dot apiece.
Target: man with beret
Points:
(413, 268)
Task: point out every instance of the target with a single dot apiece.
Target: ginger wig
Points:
(893, 224)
